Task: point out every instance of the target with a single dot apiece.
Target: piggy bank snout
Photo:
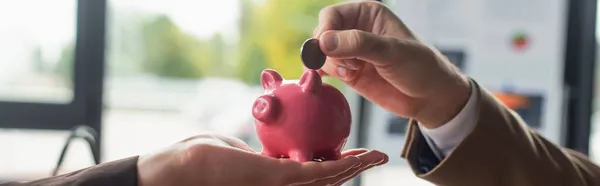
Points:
(265, 108)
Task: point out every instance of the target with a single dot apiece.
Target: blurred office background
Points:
(146, 73)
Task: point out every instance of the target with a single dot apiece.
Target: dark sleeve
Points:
(426, 159)
(117, 173)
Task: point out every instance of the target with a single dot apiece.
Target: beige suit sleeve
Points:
(502, 150)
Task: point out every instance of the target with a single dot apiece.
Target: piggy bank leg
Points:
(330, 155)
(301, 156)
(270, 154)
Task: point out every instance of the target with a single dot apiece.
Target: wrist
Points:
(153, 169)
(144, 173)
(443, 107)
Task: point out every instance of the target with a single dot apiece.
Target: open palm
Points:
(214, 160)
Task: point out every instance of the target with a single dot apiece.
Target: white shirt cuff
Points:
(444, 139)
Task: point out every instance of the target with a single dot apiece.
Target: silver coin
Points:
(311, 54)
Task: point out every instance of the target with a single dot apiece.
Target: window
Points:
(37, 86)
(594, 137)
(513, 48)
(37, 50)
(177, 68)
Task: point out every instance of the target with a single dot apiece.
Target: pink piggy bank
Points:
(307, 120)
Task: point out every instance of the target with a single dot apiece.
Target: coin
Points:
(311, 54)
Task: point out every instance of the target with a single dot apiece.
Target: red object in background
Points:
(520, 42)
(513, 101)
(304, 121)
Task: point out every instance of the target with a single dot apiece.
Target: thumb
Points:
(366, 46)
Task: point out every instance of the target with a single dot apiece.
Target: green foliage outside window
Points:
(272, 32)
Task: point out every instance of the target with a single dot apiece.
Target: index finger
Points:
(349, 15)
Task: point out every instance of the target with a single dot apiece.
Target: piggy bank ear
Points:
(270, 79)
(311, 81)
(266, 108)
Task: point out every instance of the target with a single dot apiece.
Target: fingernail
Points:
(342, 71)
(331, 41)
(383, 160)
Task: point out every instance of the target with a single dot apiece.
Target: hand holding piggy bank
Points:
(305, 120)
